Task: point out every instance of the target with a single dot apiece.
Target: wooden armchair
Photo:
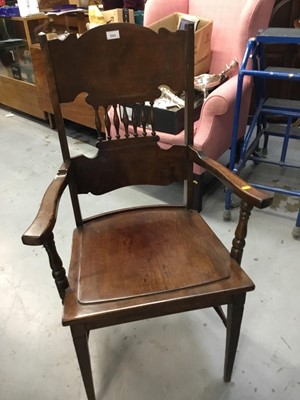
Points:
(142, 262)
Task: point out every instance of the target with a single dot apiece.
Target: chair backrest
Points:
(122, 64)
(234, 22)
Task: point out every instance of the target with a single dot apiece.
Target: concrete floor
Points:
(177, 357)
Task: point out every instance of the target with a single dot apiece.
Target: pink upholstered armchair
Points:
(234, 22)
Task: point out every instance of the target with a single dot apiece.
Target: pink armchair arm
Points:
(216, 119)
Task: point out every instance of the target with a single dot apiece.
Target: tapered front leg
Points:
(234, 320)
(80, 339)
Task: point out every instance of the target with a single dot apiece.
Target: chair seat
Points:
(108, 260)
(178, 247)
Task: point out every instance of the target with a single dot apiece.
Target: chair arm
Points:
(241, 188)
(41, 228)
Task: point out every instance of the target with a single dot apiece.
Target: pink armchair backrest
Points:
(234, 22)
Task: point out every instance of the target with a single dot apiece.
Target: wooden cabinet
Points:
(23, 82)
(17, 79)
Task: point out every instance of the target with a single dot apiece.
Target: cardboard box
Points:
(119, 15)
(202, 38)
(97, 17)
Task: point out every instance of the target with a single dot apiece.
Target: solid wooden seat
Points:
(142, 242)
(143, 262)
(164, 303)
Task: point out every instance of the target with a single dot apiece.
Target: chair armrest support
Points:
(249, 194)
(40, 230)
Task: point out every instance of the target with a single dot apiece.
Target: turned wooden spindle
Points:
(107, 122)
(58, 271)
(143, 119)
(239, 242)
(134, 119)
(153, 133)
(116, 121)
(125, 121)
(98, 124)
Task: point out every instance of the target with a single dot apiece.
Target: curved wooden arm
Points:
(252, 196)
(41, 228)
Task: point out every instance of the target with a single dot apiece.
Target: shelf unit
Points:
(254, 65)
(17, 80)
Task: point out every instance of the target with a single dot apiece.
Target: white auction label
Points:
(110, 35)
